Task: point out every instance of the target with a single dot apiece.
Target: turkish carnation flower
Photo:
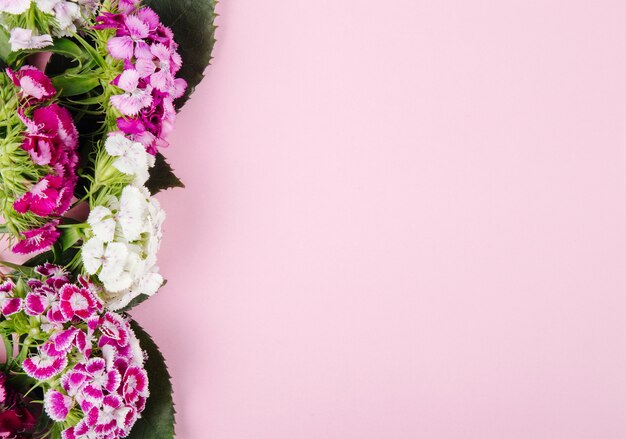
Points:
(33, 83)
(148, 84)
(49, 18)
(39, 239)
(89, 363)
(49, 143)
(24, 39)
(126, 236)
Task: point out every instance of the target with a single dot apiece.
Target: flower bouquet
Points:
(89, 92)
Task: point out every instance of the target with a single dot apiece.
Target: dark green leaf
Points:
(74, 85)
(157, 420)
(67, 48)
(136, 301)
(58, 257)
(193, 23)
(162, 176)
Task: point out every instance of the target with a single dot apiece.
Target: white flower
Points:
(24, 39)
(102, 223)
(127, 235)
(132, 213)
(67, 14)
(109, 258)
(132, 157)
(14, 6)
(46, 6)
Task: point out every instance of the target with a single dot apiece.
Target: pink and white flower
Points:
(136, 97)
(57, 405)
(45, 364)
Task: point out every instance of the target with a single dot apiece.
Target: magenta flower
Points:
(77, 302)
(40, 239)
(98, 379)
(43, 199)
(135, 384)
(33, 83)
(9, 305)
(149, 81)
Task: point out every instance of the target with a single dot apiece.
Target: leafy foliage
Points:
(162, 176)
(157, 421)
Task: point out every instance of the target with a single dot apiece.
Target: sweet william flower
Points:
(102, 223)
(45, 364)
(132, 213)
(130, 39)
(132, 158)
(22, 39)
(109, 258)
(57, 405)
(14, 7)
(39, 239)
(33, 83)
(9, 305)
(135, 97)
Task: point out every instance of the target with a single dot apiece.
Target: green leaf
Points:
(157, 420)
(67, 48)
(73, 85)
(21, 269)
(136, 301)
(193, 23)
(139, 300)
(69, 237)
(5, 47)
(162, 176)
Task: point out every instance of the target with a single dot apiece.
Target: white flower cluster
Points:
(126, 233)
(65, 16)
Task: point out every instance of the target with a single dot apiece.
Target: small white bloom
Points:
(67, 14)
(24, 39)
(46, 6)
(14, 6)
(92, 254)
(113, 262)
(132, 213)
(109, 258)
(102, 223)
(132, 157)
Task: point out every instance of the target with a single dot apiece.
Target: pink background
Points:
(403, 219)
